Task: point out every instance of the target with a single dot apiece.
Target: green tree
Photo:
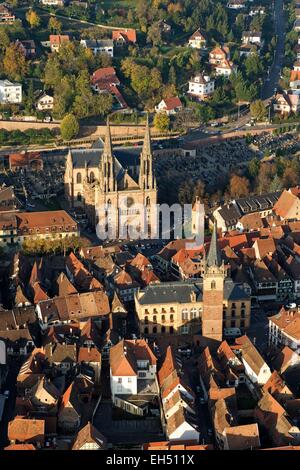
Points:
(162, 121)
(69, 127)
(172, 75)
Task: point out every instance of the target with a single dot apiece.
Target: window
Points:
(163, 329)
(78, 197)
(233, 313)
(171, 318)
(242, 323)
(78, 178)
(243, 313)
(129, 380)
(171, 330)
(146, 330)
(92, 177)
(146, 320)
(163, 318)
(213, 285)
(154, 330)
(185, 314)
(154, 319)
(232, 323)
(119, 380)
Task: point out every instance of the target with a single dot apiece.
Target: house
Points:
(244, 437)
(169, 106)
(31, 161)
(225, 68)
(69, 414)
(180, 427)
(277, 387)
(288, 205)
(105, 80)
(257, 10)
(89, 438)
(123, 37)
(57, 40)
(264, 247)
(54, 3)
(99, 46)
(6, 14)
(228, 215)
(91, 358)
(10, 93)
(166, 445)
(8, 200)
(45, 102)
(73, 308)
(286, 103)
(27, 431)
(18, 342)
(79, 275)
(295, 78)
(201, 86)
(273, 418)
(256, 368)
(284, 328)
(132, 372)
(219, 54)
(16, 228)
(28, 47)
(250, 222)
(248, 49)
(236, 4)
(197, 40)
(297, 25)
(61, 356)
(251, 37)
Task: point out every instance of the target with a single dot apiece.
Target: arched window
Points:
(213, 285)
(146, 320)
(154, 330)
(146, 330)
(78, 178)
(108, 203)
(163, 329)
(148, 201)
(92, 176)
(171, 330)
(79, 197)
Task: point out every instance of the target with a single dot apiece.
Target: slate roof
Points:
(181, 292)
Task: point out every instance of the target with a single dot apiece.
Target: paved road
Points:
(274, 75)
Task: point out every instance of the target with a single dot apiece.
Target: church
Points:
(110, 184)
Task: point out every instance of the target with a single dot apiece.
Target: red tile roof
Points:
(128, 34)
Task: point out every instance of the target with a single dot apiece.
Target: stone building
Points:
(110, 185)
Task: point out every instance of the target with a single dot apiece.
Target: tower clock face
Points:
(129, 201)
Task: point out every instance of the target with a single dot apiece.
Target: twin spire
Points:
(146, 178)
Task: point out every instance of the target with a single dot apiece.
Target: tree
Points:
(33, 18)
(239, 186)
(4, 39)
(258, 110)
(290, 178)
(69, 127)
(172, 75)
(14, 62)
(253, 167)
(266, 174)
(154, 34)
(54, 25)
(162, 121)
(253, 65)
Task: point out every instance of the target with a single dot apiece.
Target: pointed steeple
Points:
(107, 151)
(214, 254)
(107, 177)
(146, 178)
(147, 139)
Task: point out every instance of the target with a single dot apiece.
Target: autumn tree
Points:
(239, 186)
(55, 25)
(33, 19)
(14, 62)
(258, 110)
(290, 178)
(266, 174)
(162, 121)
(69, 127)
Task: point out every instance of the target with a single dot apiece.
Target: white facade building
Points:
(201, 86)
(99, 46)
(10, 93)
